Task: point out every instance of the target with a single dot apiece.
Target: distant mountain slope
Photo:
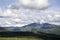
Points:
(45, 27)
(2, 29)
(32, 27)
(41, 26)
(48, 26)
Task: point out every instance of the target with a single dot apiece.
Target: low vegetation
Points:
(19, 38)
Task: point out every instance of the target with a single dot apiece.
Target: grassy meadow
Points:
(20, 38)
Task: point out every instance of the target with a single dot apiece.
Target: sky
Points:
(23, 12)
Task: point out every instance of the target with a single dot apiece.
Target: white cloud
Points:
(14, 15)
(35, 4)
(23, 17)
(52, 17)
(1, 11)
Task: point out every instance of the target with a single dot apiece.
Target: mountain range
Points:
(34, 27)
(30, 27)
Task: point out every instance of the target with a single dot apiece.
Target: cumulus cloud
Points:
(21, 17)
(52, 17)
(1, 11)
(35, 4)
(15, 15)
(14, 6)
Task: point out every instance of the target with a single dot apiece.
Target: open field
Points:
(19, 38)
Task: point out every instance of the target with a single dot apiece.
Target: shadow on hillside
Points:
(45, 36)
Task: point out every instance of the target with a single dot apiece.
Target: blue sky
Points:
(5, 3)
(43, 11)
(56, 3)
